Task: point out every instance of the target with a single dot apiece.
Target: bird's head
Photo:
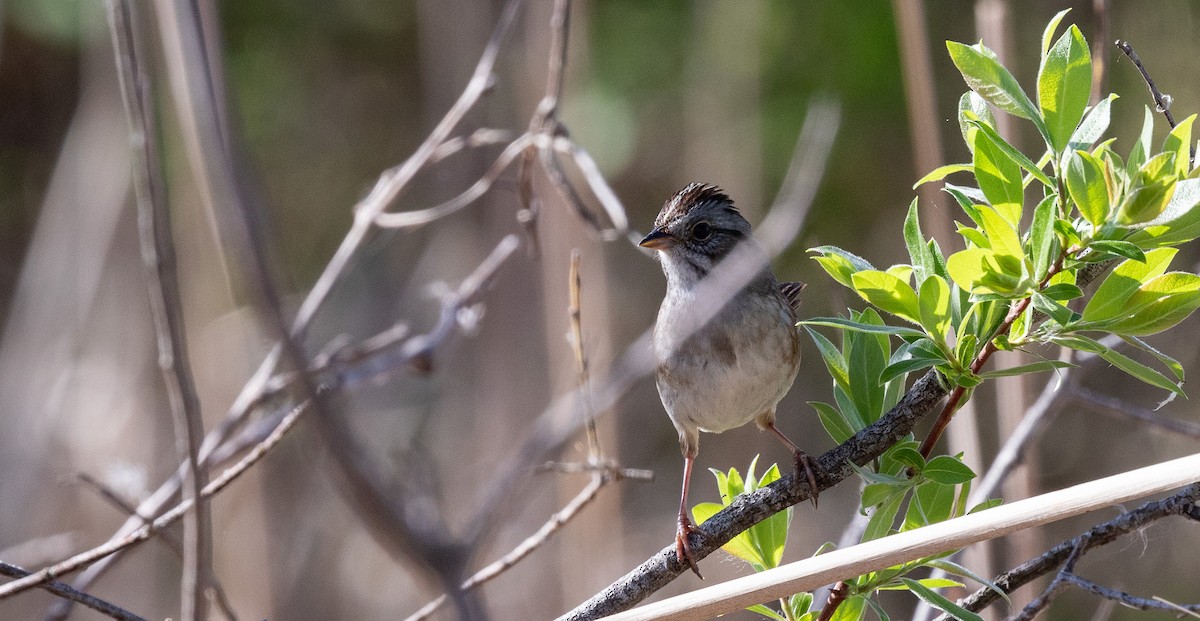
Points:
(696, 228)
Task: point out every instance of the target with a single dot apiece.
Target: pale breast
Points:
(734, 369)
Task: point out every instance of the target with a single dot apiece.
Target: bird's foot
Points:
(683, 549)
(804, 464)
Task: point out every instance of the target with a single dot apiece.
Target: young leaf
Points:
(931, 503)
(1159, 304)
(1129, 250)
(1119, 360)
(1042, 240)
(972, 107)
(986, 76)
(766, 612)
(834, 361)
(1094, 124)
(1064, 84)
(852, 609)
(1179, 142)
(933, 598)
(922, 258)
(1034, 169)
(888, 293)
(999, 177)
(1033, 367)
(836, 425)
(951, 567)
(934, 302)
(1141, 148)
(880, 523)
(947, 470)
(1048, 34)
(740, 545)
(857, 326)
(1167, 361)
(840, 264)
(1087, 187)
(1109, 300)
(941, 172)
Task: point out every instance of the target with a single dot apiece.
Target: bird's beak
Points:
(658, 239)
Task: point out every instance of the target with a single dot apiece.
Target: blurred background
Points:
(323, 97)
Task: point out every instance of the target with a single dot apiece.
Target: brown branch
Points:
(1180, 503)
(943, 419)
(158, 257)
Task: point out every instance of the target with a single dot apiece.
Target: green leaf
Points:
(766, 612)
(947, 470)
(740, 546)
(1141, 148)
(1173, 228)
(1064, 85)
(1179, 142)
(1059, 313)
(837, 426)
(1033, 367)
(933, 598)
(951, 567)
(1094, 124)
(1119, 360)
(840, 264)
(972, 107)
(1024, 162)
(1109, 300)
(1048, 34)
(1087, 187)
(1043, 245)
(941, 172)
(985, 75)
(906, 455)
(800, 603)
(934, 304)
(999, 178)
(906, 366)
(919, 253)
(1167, 361)
(1152, 189)
(1062, 292)
(879, 525)
(852, 609)
(855, 326)
(931, 503)
(1129, 250)
(1159, 304)
(834, 361)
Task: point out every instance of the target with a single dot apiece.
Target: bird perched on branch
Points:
(736, 366)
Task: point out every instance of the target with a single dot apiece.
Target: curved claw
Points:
(683, 549)
(803, 463)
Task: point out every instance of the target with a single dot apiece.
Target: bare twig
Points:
(64, 590)
(167, 538)
(144, 532)
(158, 256)
(1162, 102)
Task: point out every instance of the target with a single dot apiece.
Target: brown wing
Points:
(791, 291)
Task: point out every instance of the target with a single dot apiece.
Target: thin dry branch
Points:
(158, 257)
(65, 591)
(83, 559)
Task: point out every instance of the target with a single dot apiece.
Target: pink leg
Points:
(683, 549)
(802, 460)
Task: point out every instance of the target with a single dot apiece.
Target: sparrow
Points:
(738, 365)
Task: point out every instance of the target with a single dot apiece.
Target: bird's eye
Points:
(702, 231)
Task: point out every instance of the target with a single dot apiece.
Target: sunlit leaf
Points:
(1064, 85)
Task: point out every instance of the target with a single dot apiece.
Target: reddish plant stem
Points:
(952, 402)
